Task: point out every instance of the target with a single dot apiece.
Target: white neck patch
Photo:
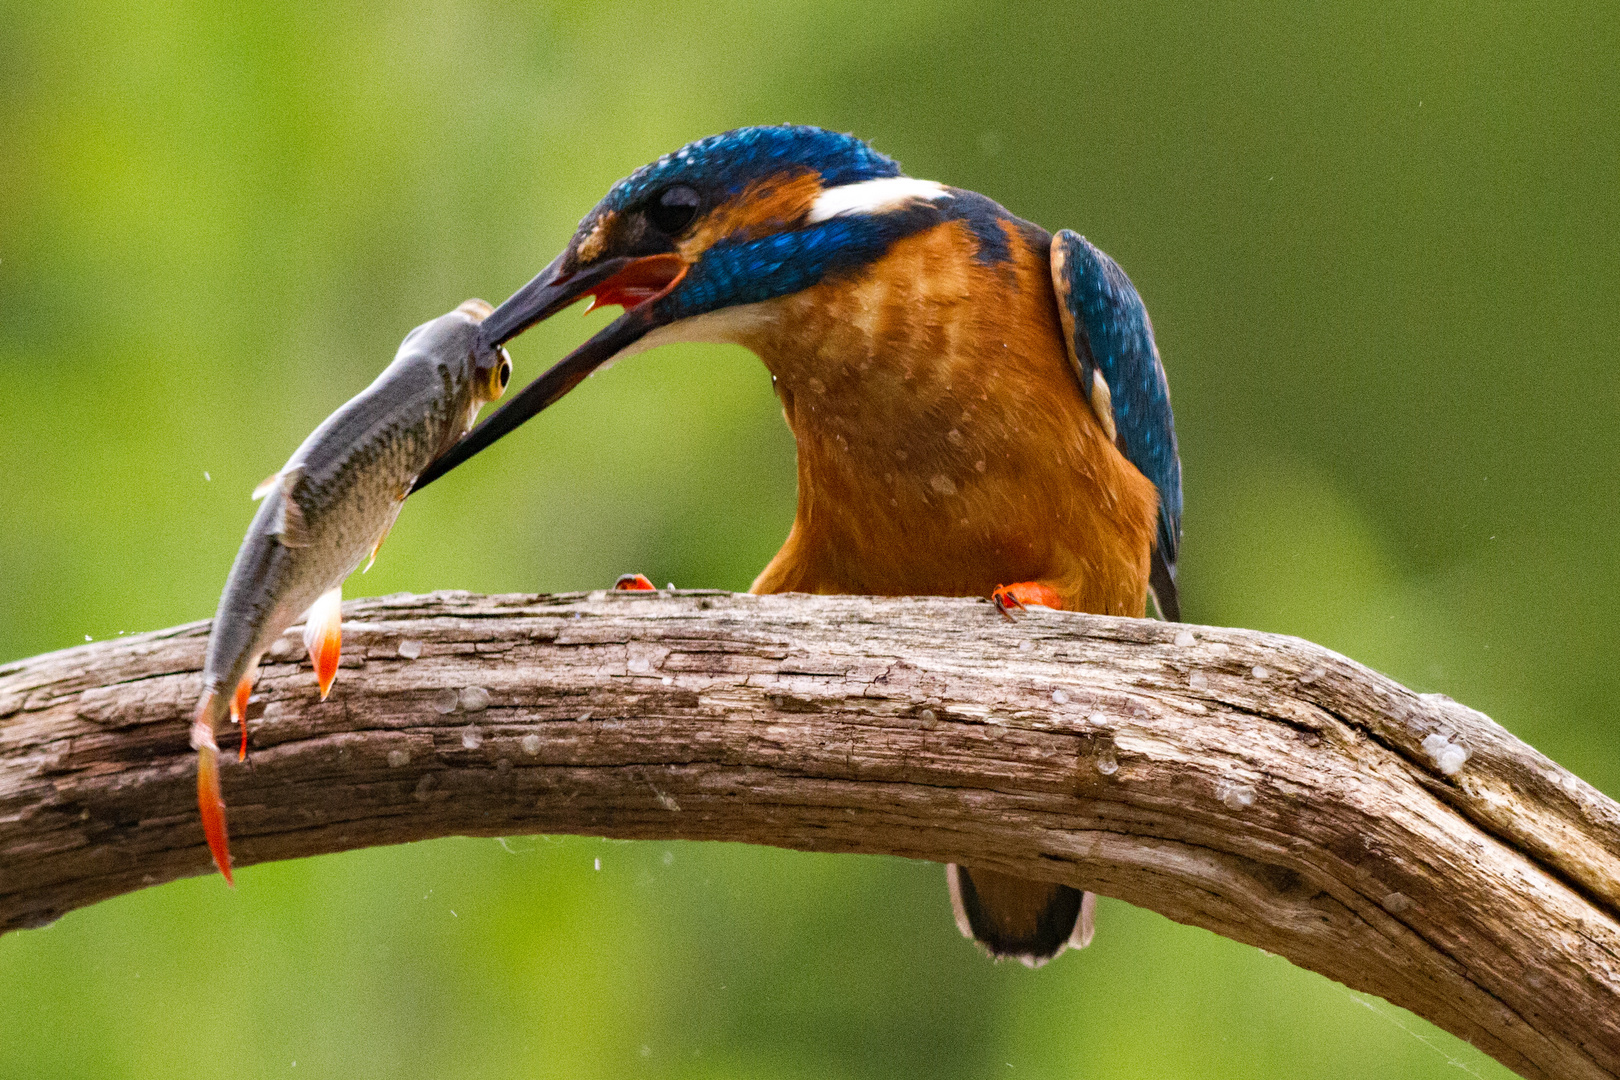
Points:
(873, 197)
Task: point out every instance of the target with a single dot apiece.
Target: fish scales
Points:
(329, 508)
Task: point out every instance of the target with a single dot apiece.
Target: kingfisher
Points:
(979, 406)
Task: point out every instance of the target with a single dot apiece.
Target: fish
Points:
(324, 513)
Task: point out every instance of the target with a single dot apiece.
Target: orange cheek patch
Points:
(764, 207)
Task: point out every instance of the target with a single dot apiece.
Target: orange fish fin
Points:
(210, 801)
(372, 558)
(239, 702)
(400, 500)
(323, 636)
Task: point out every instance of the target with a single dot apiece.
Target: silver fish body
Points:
(333, 502)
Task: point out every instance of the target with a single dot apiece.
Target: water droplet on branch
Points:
(1234, 796)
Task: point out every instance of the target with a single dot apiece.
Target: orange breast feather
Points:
(944, 446)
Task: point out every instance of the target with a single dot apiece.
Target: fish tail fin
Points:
(210, 801)
(323, 636)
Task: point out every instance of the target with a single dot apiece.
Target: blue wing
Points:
(1111, 346)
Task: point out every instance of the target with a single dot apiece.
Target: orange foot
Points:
(1008, 598)
(633, 583)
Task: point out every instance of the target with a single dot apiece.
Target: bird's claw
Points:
(1024, 594)
(1006, 603)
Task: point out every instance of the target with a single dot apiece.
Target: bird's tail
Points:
(1162, 580)
(1008, 916)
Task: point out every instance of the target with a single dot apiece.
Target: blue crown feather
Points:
(734, 159)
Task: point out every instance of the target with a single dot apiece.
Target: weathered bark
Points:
(1259, 786)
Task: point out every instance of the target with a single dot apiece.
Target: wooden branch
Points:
(1255, 785)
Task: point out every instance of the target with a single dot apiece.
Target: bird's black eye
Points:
(673, 209)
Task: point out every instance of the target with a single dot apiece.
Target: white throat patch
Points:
(873, 197)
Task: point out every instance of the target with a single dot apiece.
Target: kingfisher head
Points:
(729, 220)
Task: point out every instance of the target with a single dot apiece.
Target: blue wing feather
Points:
(1113, 336)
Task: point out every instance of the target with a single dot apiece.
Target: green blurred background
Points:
(1379, 245)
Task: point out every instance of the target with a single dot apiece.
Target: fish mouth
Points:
(635, 282)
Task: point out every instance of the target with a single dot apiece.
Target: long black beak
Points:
(549, 292)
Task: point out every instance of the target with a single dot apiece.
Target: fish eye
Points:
(673, 209)
(496, 377)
